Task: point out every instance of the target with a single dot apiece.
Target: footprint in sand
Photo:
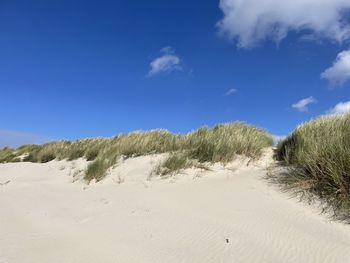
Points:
(6, 183)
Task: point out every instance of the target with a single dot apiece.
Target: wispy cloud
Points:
(167, 50)
(16, 138)
(168, 61)
(253, 21)
(230, 92)
(303, 105)
(339, 72)
(340, 108)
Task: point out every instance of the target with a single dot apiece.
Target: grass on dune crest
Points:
(176, 162)
(219, 144)
(319, 152)
(223, 142)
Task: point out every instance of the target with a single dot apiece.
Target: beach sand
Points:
(228, 214)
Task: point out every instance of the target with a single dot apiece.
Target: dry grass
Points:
(225, 141)
(7, 155)
(176, 162)
(219, 144)
(319, 153)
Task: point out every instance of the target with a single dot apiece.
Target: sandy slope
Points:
(226, 215)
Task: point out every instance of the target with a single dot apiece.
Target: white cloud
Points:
(339, 72)
(302, 105)
(16, 138)
(168, 61)
(253, 21)
(167, 50)
(340, 108)
(230, 92)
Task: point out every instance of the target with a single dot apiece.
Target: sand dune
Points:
(229, 214)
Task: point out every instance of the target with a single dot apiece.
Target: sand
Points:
(229, 214)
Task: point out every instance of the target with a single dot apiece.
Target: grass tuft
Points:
(96, 170)
(219, 144)
(7, 155)
(172, 164)
(319, 153)
(91, 154)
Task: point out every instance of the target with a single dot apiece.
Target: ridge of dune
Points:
(227, 214)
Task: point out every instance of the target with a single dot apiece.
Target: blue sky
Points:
(72, 69)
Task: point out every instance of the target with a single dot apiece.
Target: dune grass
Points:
(223, 142)
(176, 162)
(7, 155)
(319, 153)
(219, 144)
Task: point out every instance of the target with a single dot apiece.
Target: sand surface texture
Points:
(229, 214)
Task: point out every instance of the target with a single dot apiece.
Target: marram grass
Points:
(219, 144)
(319, 152)
(175, 162)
